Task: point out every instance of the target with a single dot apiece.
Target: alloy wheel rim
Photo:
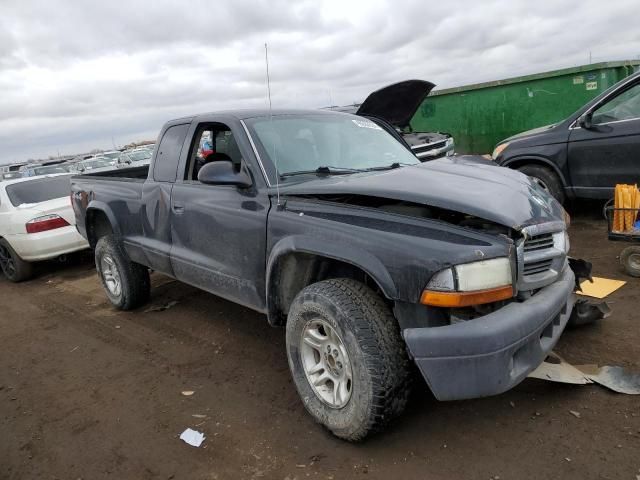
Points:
(6, 262)
(111, 275)
(326, 363)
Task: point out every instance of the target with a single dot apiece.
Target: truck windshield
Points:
(326, 143)
(39, 190)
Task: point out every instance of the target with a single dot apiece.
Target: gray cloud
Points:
(75, 74)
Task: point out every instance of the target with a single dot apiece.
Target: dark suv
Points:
(587, 154)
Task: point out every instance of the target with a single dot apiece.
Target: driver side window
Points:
(213, 142)
(625, 106)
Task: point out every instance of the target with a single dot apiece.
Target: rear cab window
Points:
(39, 190)
(166, 164)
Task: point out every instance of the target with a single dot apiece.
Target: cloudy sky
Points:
(76, 74)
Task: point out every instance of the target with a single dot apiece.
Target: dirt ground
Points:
(87, 392)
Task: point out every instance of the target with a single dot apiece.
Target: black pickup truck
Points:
(331, 227)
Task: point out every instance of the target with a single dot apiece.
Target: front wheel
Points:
(14, 268)
(126, 283)
(546, 179)
(347, 358)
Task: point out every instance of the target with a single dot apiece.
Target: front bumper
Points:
(491, 354)
(45, 245)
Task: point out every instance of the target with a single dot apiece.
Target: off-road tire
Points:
(548, 178)
(14, 268)
(371, 336)
(630, 260)
(134, 278)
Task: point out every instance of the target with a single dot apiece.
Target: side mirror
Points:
(585, 120)
(222, 172)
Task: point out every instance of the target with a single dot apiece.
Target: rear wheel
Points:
(630, 260)
(347, 358)
(126, 283)
(13, 267)
(546, 179)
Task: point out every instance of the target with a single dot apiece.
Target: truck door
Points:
(609, 151)
(219, 231)
(156, 199)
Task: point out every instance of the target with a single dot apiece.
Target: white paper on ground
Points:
(192, 437)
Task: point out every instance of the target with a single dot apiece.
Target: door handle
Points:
(178, 208)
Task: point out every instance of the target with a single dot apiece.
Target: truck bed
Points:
(132, 173)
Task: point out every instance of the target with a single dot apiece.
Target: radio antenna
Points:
(275, 156)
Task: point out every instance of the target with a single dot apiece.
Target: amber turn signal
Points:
(465, 299)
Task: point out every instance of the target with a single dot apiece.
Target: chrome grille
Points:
(423, 147)
(540, 266)
(539, 242)
(541, 255)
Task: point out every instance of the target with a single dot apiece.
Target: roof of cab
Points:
(252, 113)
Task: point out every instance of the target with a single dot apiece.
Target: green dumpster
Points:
(479, 116)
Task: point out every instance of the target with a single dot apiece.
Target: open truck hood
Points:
(466, 184)
(396, 103)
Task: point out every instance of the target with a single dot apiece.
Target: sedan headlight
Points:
(499, 149)
(469, 284)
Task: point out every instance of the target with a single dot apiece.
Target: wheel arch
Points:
(296, 262)
(99, 221)
(517, 162)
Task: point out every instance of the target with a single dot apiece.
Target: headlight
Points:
(499, 149)
(470, 284)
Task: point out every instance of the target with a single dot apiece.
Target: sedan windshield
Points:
(328, 144)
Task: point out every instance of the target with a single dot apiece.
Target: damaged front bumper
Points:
(491, 354)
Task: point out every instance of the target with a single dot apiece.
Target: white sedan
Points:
(36, 223)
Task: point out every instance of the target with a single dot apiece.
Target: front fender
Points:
(337, 251)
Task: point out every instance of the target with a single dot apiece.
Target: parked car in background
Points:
(36, 223)
(112, 155)
(327, 223)
(96, 164)
(10, 175)
(139, 156)
(396, 105)
(587, 154)
(38, 170)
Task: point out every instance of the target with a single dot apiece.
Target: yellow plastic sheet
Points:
(600, 288)
(626, 196)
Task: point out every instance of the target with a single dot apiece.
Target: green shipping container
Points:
(479, 116)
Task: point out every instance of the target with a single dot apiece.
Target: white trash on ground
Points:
(192, 437)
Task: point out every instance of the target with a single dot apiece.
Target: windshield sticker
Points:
(366, 124)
